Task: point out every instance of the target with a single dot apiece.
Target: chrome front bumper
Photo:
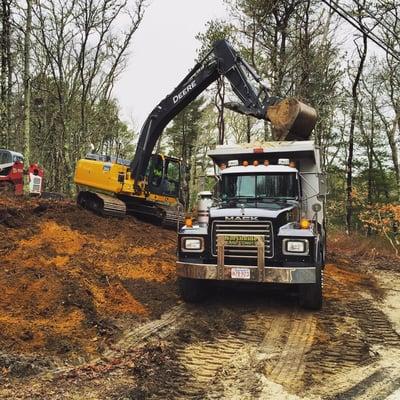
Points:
(290, 275)
(258, 273)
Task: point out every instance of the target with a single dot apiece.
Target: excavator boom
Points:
(150, 184)
(291, 118)
(225, 62)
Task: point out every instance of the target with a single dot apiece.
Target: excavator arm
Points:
(222, 60)
(107, 188)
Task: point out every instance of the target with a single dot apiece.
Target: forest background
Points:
(60, 60)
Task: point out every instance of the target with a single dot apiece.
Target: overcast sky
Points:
(162, 52)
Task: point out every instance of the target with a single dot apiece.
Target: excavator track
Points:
(106, 205)
(173, 215)
(102, 204)
(166, 215)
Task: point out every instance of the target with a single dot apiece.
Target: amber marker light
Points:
(245, 163)
(304, 223)
(258, 150)
(255, 163)
(266, 163)
(292, 164)
(188, 221)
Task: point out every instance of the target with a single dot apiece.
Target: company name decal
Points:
(241, 218)
(184, 92)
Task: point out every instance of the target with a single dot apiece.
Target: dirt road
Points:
(244, 343)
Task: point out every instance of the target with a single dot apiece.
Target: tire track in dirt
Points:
(374, 323)
(279, 357)
(355, 336)
(377, 386)
(273, 342)
(289, 368)
(163, 327)
(204, 361)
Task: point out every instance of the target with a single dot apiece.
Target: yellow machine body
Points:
(112, 178)
(104, 176)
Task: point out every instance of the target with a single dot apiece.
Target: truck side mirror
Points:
(323, 184)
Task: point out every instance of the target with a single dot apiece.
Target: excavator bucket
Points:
(291, 119)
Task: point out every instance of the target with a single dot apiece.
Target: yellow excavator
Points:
(106, 186)
(150, 183)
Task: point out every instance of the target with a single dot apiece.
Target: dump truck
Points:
(265, 222)
(150, 183)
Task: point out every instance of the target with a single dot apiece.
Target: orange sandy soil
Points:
(353, 260)
(71, 281)
(361, 247)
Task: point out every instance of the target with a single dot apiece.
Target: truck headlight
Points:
(295, 247)
(192, 244)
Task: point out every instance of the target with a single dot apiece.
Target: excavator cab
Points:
(163, 175)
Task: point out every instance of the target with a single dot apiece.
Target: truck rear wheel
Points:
(311, 294)
(192, 290)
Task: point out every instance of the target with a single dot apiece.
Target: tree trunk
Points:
(27, 82)
(369, 144)
(5, 77)
(349, 164)
(391, 135)
(248, 126)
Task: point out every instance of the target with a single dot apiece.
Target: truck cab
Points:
(11, 172)
(264, 223)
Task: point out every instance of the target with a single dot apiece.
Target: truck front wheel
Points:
(311, 294)
(192, 290)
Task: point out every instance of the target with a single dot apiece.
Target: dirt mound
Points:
(367, 253)
(69, 278)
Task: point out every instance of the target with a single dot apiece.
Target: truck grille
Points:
(243, 228)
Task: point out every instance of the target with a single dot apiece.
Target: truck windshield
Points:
(5, 157)
(279, 186)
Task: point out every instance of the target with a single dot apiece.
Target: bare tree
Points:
(27, 82)
(81, 52)
(362, 53)
(5, 74)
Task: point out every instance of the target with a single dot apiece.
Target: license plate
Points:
(240, 273)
